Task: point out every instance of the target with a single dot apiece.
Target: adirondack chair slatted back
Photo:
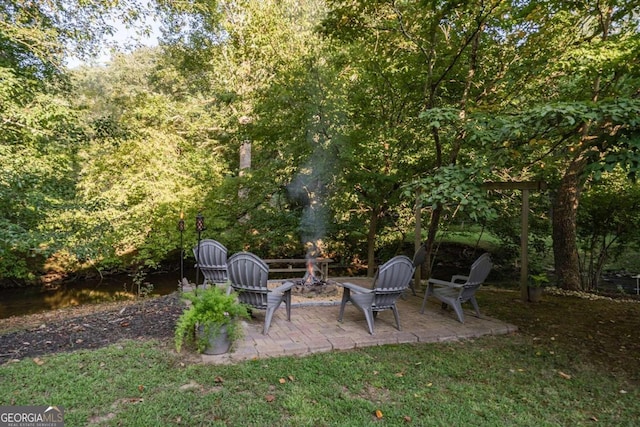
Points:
(392, 279)
(248, 275)
(478, 274)
(461, 288)
(211, 259)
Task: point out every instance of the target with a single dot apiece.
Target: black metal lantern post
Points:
(199, 228)
(181, 230)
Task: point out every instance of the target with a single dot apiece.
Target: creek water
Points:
(34, 299)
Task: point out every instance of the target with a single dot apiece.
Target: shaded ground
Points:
(601, 331)
(88, 327)
(93, 326)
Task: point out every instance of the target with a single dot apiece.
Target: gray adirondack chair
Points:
(211, 259)
(461, 288)
(389, 283)
(248, 275)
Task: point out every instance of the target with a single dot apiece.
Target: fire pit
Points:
(314, 284)
(311, 286)
(315, 288)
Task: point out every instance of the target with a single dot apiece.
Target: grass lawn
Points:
(549, 374)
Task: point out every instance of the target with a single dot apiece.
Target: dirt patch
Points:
(592, 328)
(88, 327)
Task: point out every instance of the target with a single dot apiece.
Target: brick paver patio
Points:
(314, 328)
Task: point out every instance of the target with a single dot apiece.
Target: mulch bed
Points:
(93, 326)
(153, 318)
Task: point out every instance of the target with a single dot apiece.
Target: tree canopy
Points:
(361, 116)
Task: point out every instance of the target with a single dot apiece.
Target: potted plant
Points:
(536, 281)
(212, 322)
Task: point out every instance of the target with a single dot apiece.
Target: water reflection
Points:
(83, 296)
(21, 301)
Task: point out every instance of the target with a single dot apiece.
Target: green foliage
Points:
(211, 308)
(36, 37)
(458, 188)
(507, 225)
(39, 137)
(159, 157)
(538, 280)
(608, 223)
(350, 107)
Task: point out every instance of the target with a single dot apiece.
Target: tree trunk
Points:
(434, 223)
(565, 203)
(565, 208)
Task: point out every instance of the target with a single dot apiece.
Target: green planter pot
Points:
(535, 293)
(217, 343)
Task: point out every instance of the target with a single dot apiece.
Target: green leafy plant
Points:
(538, 280)
(140, 286)
(210, 309)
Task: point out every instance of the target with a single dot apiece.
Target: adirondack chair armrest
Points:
(285, 287)
(444, 283)
(355, 288)
(459, 277)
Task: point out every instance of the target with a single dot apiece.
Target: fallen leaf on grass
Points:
(270, 398)
(189, 386)
(407, 419)
(378, 414)
(399, 374)
(563, 375)
(141, 388)
(218, 380)
(102, 419)
(282, 381)
(38, 361)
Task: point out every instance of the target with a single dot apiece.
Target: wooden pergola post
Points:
(525, 187)
(524, 244)
(418, 240)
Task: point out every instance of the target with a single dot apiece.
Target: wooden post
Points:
(245, 165)
(418, 240)
(524, 240)
(524, 228)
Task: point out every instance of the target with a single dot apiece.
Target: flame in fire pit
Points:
(314, 249)
(310, 276)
